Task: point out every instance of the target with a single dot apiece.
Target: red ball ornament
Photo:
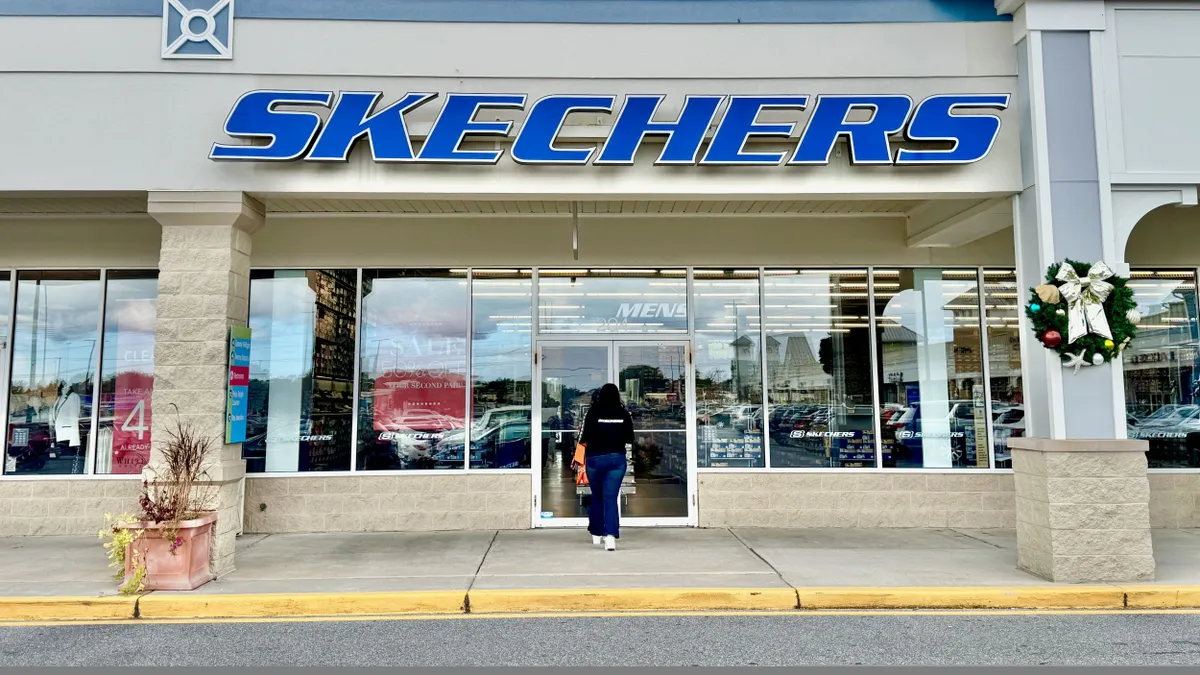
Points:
(1051, 338)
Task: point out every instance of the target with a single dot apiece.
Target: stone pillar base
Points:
(203, 291)
(1083, 510)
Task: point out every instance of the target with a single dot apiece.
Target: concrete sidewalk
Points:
(487, 564)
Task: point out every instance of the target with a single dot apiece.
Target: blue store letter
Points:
(972, 135)
(352, 119)
(535, 142)
(457, 120)
(290, 131)
(684, 135)
(741, 122)
(869, 140)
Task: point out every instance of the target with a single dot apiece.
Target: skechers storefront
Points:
(797, 236)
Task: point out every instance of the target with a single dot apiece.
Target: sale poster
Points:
(131, 412)
(422, 402)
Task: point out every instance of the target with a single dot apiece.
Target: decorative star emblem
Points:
(197, 29)
(1076, 360)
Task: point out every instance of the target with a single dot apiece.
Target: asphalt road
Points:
(902, 639)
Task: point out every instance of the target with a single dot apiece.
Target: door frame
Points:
(613, 343)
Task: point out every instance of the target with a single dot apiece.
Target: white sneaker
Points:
(610, 543)
(597, 540)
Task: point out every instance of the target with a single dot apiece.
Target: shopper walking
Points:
(607, 430)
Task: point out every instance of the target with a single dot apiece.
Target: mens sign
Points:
(286, 126)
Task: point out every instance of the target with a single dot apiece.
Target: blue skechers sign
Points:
(962, 128)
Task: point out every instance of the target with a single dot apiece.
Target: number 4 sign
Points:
(131, 408)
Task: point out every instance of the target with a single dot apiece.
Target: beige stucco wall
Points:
(396, 241)
(856, 500)
(1175, 500)
(66, 242)
(71, 506)
(388, 503)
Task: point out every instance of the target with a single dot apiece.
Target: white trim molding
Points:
(1131, 203)
(1036, 15)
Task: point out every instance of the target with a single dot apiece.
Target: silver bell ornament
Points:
(1134, 316)
(1097, 359)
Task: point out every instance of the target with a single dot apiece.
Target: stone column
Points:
(1064, 211)
(203, 290)
(1083, 510)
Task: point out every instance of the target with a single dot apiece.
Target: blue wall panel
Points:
(553, 11)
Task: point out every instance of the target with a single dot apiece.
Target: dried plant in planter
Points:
(177, 488)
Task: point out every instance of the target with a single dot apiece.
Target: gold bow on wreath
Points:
(1085, 300)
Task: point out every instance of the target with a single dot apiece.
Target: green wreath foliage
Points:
(1116, 307)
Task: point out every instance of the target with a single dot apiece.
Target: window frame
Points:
(91, 456)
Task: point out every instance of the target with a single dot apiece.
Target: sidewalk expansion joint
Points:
(973, 538)
(767, 563)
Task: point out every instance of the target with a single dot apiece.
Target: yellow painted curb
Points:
(630, 599)
(973, 597)
(198, 606)
(1169, 597)
(58, 608)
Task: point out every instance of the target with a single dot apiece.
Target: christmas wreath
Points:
(1084, 312)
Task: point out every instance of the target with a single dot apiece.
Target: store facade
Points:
(797, 238)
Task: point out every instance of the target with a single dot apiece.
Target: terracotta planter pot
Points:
(187, 568)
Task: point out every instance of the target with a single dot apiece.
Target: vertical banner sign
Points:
(131, 404)
(238, 391)
(981, 438)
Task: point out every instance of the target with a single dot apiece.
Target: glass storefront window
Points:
(1002, 302)
(728, 368)
(1161, 374)
(123, 438)
(930, 368)
(5, 311)
(413, 369)
(301, 370)
(55, 350)
(501, 371)
(821, 406)
(572, 301)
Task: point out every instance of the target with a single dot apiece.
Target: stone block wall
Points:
(1083, 511)
(856, 500)
(75, 506)
(1175, 500)
(388, 503)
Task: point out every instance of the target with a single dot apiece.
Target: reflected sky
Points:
(56, 331)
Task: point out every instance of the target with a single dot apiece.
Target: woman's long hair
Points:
(608, 401)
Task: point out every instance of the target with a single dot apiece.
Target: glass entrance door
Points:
(653, 378)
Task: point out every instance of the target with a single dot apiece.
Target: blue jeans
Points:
(604, 474)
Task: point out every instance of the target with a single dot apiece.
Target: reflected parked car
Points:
(505, 446)
(1008, 424)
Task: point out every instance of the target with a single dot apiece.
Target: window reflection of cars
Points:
(503, 446)
(1008, 424)
(490, 419)
(1169, 431)
(405, 440)
(418, 420)
(910, 435)
(738, 417)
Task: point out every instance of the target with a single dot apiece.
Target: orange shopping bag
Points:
(578, 462)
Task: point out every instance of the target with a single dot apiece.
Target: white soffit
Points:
(74, 205)
(311, 205)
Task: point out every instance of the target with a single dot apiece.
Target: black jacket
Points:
(606, 432)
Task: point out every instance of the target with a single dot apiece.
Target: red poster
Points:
(419, 402)
(131, 413)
